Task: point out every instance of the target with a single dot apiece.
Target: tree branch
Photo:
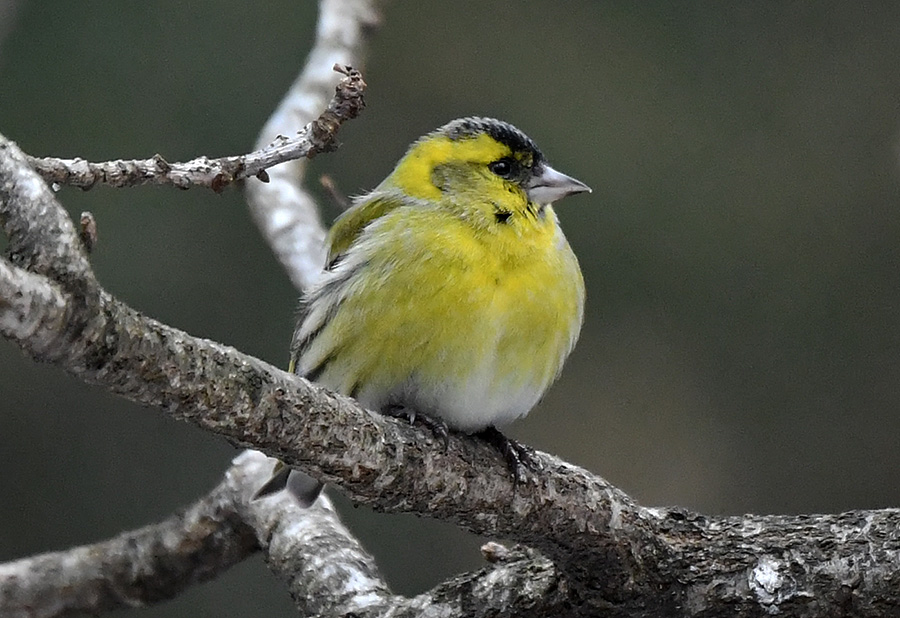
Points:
(39, 309)
(158, 562)
(313, 138)
(284, 210)
(612, 556)
(137, 568)
(601, 554)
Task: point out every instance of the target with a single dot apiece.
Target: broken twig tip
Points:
(334, 193)
(88, 230)
(161, 164)
(220, 181)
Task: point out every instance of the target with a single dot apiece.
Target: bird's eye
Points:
(504, 167)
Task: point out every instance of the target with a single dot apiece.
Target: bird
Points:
(450, 294)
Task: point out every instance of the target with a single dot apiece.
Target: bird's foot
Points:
(517, 456)
(437, 427)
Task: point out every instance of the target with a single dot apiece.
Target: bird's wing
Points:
(349, 226)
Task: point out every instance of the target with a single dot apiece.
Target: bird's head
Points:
(485, 168)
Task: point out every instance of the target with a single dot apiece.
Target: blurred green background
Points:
(741, 350)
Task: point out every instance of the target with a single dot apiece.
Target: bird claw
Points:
(437, 427)
(518, 457)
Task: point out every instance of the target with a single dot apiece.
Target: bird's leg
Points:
(435, 425)
(517, 456)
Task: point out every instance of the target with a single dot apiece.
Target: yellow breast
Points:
(467, 325)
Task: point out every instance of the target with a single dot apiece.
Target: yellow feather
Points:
(450, 289)
(413, 174)
(432, 302)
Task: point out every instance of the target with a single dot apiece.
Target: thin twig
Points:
(340, 200)
(217, 174)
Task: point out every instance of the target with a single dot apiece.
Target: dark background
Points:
(740, 349)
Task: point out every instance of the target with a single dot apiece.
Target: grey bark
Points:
(611, 556)
(586, 547)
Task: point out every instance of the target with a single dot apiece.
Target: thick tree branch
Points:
(137, 568)
(601, 554)
(317, 136)
(283, 208)
(611, 556)
(326, 570)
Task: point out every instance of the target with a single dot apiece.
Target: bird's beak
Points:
(548, 185)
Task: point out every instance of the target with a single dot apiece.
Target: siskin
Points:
(450, 293)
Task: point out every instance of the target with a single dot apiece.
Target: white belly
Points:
(480, 400)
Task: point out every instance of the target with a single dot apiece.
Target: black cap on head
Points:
(501, 131)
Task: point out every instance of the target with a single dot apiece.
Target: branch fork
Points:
(585, 547)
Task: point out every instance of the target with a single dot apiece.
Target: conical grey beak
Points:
(548, 185)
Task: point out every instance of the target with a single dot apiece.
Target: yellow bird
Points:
(450, 293)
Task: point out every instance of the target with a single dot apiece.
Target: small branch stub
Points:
(88, 230)
(340, 200)
(347, 103)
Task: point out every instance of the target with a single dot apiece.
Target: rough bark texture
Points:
(592, 550)
(611, 556)
(323, 565)
(136, 568)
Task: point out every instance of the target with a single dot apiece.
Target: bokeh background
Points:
(741, 350)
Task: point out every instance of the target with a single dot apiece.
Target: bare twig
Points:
(340, 200)
(216, 174)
